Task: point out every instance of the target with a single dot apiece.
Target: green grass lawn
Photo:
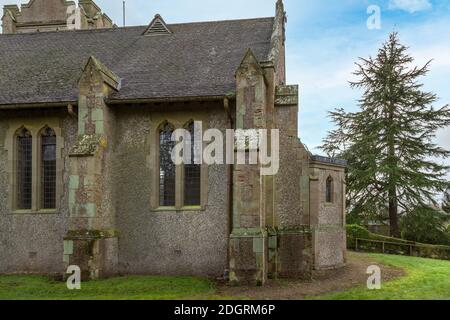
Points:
(133, 288)
(425, 279)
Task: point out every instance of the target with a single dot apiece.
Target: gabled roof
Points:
(196, 59)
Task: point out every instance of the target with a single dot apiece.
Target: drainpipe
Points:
(230, 171)
(226, 105)
(71, 111)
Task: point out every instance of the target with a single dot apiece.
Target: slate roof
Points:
(198, 59)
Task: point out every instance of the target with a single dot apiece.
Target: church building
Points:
(86, 178)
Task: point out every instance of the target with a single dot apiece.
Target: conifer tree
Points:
(446, 202)
(388, 143)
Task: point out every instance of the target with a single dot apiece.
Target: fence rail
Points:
(407, 248)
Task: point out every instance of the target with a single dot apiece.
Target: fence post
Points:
(382, 247)
(411, 250)
(356, 244)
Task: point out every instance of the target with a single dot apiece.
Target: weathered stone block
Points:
(95, 252)
(294, 254)
(248, 259)
(286, 96)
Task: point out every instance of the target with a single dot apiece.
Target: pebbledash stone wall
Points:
(32, 242)
(303, 231)
(174, 242)
(190, 242)
(328, 218)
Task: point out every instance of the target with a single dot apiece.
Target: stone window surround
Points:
(329, 170)
(336, 188)
(177, 122)
(332, 199)
(35, 126)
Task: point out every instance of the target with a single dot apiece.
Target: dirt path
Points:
(352, 275)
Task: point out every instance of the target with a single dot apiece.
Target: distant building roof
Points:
(196, 59)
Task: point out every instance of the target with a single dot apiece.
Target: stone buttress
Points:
(91, 242)
(271, 234)
(249, 238)
(292, 189)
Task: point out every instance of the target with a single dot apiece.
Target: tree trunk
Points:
(392, 160)
(393, 214)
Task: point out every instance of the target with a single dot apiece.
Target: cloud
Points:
(410, 6)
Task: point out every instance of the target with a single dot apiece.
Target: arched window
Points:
(192, 174)
(329, 190)
(48, 169)
(24, 169)
(166, 167)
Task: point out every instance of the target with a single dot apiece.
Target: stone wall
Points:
(177, 242)
(43, 10)
(106, 222)
(33, 242)
(292, 190)
(328, 218)
(52, 15)
(191, 242)
(151, 241)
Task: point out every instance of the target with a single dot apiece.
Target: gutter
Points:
(37, 105)
(112, 101)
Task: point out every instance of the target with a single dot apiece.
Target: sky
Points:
(324, 40)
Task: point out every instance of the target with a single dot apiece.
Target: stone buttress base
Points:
(258, 254)
(95, 252)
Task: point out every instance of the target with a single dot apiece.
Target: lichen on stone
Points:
(86, 144)
(286, 95)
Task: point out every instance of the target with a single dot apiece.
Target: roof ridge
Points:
(221, 21)
(70, 31)
(140, 26)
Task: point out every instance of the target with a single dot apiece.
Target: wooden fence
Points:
(399, 248)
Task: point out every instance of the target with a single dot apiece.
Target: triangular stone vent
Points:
(157, 27)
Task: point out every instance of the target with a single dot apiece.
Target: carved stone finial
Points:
(280, 6)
